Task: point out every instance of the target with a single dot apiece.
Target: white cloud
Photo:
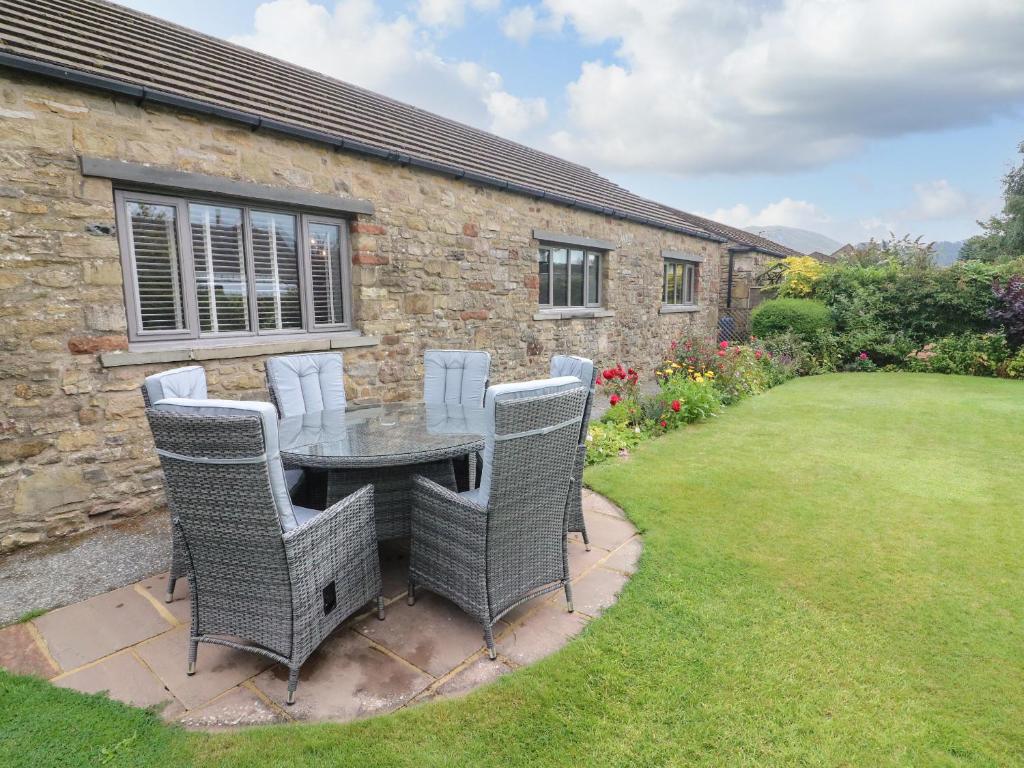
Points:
(356, 42)
(785, 212)
(937, 200)
(733, 86)
(450, 13)
(525, 21)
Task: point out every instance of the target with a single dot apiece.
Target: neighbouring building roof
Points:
(102, 45)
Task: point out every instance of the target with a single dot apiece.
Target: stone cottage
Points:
(169, 197)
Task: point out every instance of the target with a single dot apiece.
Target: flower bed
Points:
(696, 380)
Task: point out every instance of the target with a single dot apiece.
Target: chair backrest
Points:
(584, 370)
(224, 491)
(189, 382)
(530, 455)
(187, 430)
(306, 383)
(455, 376)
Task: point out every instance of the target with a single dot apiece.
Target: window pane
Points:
(576, 278)
(559, 276)
(666, 280)
(221, 287)
(594, 278)
(154, 237)
(680, 274)
(544, 272)
(276, 267)
(691, 274)
(327, 272)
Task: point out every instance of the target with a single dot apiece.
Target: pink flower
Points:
(724, 345)
(614, 399)
(758, 354)
(721, 353)
(673, 345)
(863, 356)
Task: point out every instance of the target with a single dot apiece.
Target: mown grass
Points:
(832, 575)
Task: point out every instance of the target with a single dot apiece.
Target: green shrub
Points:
(607, 438)
(804, 317)
(697, 400)
(968, 354)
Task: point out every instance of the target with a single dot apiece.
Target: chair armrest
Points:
(339, 547)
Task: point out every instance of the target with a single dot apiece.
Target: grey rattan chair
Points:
(495, 547)
(301, 384)
(456, 377)
(266, 576)
(584, 370)
(190, 382)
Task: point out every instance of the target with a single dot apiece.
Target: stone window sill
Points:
(672, 309)
(567, 313)
(189, 351)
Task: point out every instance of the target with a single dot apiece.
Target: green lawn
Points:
(833, 575)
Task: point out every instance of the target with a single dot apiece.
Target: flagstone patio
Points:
(132, 645)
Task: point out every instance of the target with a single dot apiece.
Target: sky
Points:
(853, 118)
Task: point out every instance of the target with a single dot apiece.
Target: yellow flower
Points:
(676, 365)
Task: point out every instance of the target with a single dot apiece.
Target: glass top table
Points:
(394, 434)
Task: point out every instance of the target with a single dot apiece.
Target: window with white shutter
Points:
(205, 269)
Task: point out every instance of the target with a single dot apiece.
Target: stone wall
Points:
(746, 268)
(441, 263)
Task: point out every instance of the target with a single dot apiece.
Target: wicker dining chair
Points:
(457, 377)
(301, 384)
(584, 370)
(490, 549)
(190, 382)
(266, 576)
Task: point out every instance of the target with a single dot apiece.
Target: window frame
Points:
(689, 265)
(587, 279)
(123, 195)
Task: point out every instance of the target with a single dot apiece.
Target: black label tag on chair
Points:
(330, 598)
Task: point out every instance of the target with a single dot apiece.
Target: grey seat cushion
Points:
(307, 383)
(570, 365)
(304, 514)
(188, 382)
(293, 477)
(268, 419)
(455, 376)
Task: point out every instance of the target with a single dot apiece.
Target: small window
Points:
(569, 277)
(204, 269)
(679, 284)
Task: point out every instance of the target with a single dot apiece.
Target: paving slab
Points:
(479, 672)
(346, 679)
(598, 590)
(594, 502)
(20, 654)
(394, 567)
(607, 532)
(238, 707)
(99, 626)
(580, 559)
(218, 668)
(627, 557)
(434, 634)
(180, 606)
(540, 633)
(124, 678)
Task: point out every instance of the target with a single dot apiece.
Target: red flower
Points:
(614, 399)
(664, 423)
(676, 406)
(608, 374)
(674, 345)
(721, 353)
(758, 354)
(724, 345)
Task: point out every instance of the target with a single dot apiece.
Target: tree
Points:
(1003, 238)
(906, 252)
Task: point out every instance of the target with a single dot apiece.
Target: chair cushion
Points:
(268, 419)
(293, 477)
(304, 514)
(188, 382)
(512, 391)
(307, 383)
(570, 365)
(455, 376)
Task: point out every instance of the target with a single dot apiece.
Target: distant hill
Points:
(947, 252)
(803, 240)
